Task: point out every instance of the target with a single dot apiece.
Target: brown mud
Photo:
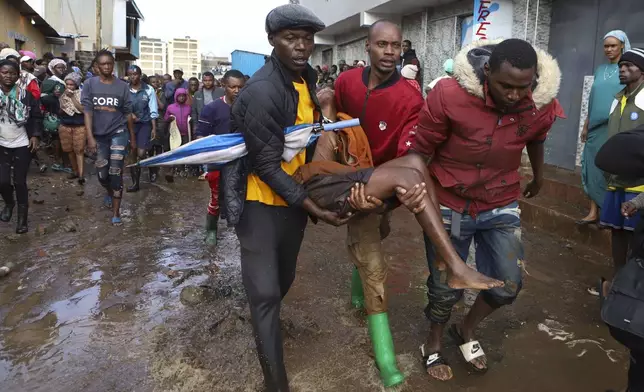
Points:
(91, 307)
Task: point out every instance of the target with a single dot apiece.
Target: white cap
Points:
(25, 58)
(178, 69)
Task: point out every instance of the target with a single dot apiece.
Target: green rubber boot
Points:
(383, 348)
(357, 295)
(211, 230)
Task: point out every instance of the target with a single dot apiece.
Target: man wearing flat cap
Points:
(267, 206)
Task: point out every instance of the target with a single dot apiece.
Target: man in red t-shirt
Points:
(388, 107)
(475, 127)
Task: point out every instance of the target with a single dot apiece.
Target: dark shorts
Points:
(163, 138)
(330, 191)
(143, 133)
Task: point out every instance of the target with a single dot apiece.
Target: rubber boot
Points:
(357, 294)
(383, 348)
(154, 174)
(21, 227)
(7, 212)
(211, 229)
(136, 177)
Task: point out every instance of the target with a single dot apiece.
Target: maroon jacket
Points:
(386, 112)
(476, 148)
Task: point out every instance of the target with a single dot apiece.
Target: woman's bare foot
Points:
(590, 218)
(467, 278)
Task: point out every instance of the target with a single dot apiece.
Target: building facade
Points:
(119, 28)
(184, 53)
(23, 28)
(212, 63)
(571, 30)
(153, 56)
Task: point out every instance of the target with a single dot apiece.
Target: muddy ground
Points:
(91, 307)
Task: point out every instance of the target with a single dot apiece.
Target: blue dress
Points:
(605, 86)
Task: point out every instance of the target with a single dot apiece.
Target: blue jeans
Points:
(499, 251)
(110, 159)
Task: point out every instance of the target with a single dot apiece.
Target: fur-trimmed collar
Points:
(548, 70)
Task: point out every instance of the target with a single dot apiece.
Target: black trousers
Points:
(18, 158)
(636, 346)
(270, 239)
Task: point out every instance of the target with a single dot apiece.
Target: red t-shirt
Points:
(386, 113)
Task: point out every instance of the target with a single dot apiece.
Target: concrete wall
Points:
(332, 11)
(435, 33)
(79, 17)
(12, 24)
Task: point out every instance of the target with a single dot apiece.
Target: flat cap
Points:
(291, 16)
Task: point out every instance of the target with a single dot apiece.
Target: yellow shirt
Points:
(622, 103)
(258, 190)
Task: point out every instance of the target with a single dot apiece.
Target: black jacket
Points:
(266, 105)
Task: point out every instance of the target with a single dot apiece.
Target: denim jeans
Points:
(110, 159)
(499, 251)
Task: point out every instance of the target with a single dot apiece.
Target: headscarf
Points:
(66, 103)
(52, 64)
(448, 66)
(409, 71)
(29, 54)
(6, 52)
(620, 35)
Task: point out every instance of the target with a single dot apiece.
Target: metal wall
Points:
(576, 32)
(247, 62)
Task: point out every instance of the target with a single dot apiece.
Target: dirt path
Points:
(96, 308)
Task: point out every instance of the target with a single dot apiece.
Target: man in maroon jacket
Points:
(475, 127)
(388, 107)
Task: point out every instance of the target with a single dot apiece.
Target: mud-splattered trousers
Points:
(499, 253)
(364, 244)
(110, 159)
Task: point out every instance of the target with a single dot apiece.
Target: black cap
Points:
(292, 16)
(635, 56)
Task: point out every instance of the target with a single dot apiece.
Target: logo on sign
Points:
(491, 19)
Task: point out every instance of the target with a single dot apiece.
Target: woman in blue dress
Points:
(595, 132)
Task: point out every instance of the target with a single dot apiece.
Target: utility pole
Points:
(99, 24)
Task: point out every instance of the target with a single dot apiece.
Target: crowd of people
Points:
(55, 106)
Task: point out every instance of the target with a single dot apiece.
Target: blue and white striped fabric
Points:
(221, 149)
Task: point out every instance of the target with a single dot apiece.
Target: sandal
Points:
(470, 350)
(116, 221)
(433, 360)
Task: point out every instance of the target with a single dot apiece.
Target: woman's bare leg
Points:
(80, 163)
(72, 160)
(406, 172)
